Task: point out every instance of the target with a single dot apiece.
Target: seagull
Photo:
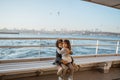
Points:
(58, 13)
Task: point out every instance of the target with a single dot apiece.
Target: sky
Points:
(58, 14)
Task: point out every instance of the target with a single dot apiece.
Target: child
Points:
(66, 56)
(59, 45)
(58, 60)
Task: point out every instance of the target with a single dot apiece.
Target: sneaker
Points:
(54, 63)
(60, 78)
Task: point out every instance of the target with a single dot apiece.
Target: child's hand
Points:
(69, 52)
(64, 62)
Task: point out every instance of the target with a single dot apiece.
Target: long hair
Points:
(58, 41)
(68, 43)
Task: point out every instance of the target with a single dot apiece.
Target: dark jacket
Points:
(58, 58)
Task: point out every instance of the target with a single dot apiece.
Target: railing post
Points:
(71, 42)
(97, 47)
(117, 47)
(40, 49)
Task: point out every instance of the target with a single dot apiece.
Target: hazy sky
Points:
(57, 14)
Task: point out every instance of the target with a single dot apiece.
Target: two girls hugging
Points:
(64, 60)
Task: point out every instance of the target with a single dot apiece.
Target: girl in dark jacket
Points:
(59, 45)
(58, 60)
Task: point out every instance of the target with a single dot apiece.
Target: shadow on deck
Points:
(114, 74)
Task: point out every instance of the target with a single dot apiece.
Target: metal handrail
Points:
(31, 38)
(22, 46)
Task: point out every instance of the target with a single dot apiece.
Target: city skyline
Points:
(58, 14)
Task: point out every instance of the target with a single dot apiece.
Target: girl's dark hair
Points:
(68, 43)
(58, 41)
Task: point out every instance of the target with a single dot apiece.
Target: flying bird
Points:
(58, 13)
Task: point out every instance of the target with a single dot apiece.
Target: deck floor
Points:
(114, 74)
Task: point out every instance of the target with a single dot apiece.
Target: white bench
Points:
(101, 62)
(46, 67)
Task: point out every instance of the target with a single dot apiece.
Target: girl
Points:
(58, 60)
(59, 45)
(66, 56)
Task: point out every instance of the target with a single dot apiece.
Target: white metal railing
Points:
(72, 42)
(117, 47)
